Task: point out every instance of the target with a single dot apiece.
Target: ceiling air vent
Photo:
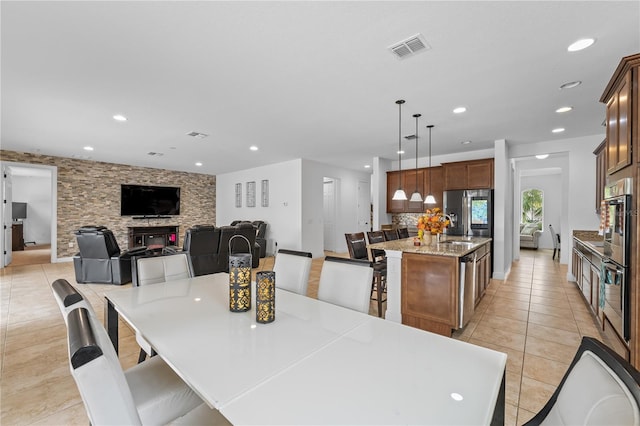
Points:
(410, 46)
(197, 135)
(156, 154)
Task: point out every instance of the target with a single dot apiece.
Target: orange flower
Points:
(433, 221)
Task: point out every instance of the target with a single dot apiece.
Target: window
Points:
(532, 207)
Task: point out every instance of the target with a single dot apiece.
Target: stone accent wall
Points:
(89, 194)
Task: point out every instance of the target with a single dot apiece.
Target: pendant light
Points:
(430, 199)
(416, 194)
(399, 195)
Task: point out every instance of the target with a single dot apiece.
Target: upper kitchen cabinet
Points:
(601, 173)
(621, 97)
(395, 180)
(474, 174)
(413, 179)
(437, 185)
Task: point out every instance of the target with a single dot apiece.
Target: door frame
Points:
(54, 205)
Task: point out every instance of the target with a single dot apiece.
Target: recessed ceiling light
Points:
(465, 142)
(581, 44)
(119, 117)
(88, 148)
(564, 109)
(571, 84)
(400, 152)
(558, 130)
(367, 166)
(542, 156)
(459, 110)
(199, 164)
(198, 135)
(253, 148)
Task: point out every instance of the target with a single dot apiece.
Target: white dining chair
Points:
(292, 270)
(346, 282)
(155, 270)
(160, 269)
(148, 393)
(598, 388)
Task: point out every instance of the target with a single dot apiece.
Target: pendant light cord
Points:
(417, 116)
(400, 102)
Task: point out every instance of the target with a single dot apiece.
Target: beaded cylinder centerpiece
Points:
(265, 296)
(239, 279)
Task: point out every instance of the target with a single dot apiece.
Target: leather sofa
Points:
(100, 259)
(260, 228)
(208, 246)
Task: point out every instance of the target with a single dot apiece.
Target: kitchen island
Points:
(435, 286)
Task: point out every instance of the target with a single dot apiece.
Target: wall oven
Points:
(614, 281)
(617, 198)
(615, 263)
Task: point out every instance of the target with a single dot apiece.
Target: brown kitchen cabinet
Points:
(436, 186)
(474, 174)
(618, 96)
(430, 292)
(409, 185)
(622, 99)
(414, 179)
(17, 237)
(395, 180)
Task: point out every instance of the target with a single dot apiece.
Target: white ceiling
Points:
(311, 80)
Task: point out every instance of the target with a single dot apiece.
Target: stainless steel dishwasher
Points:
(468, 278)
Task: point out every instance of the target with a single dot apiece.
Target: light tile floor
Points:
(534, 316)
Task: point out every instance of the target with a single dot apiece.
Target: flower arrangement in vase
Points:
(432, 221)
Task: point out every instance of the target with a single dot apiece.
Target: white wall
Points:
(36, 192)
(295, 213)
(347, 215)
(283, 215)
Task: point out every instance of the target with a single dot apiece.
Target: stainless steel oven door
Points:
(616, 296)
(617, 197)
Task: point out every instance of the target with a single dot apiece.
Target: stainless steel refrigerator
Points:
(470, 212)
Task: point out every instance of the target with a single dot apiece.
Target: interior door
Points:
(329, 214)
(364, 207)
(6, 216)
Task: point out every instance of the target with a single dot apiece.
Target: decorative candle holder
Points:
(265, 296)
(239, 279)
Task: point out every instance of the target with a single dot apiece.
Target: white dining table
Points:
(317, 363)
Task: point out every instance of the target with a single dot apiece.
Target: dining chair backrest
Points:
(376, 237)
(357, 245)
(159, 269)
(390, 234)
(554, 237)
(292, 270)
(403, 232)
(599, 387)
(69, 298)
(97, 372)
(346, 282)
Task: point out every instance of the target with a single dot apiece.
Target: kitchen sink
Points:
(457, 243)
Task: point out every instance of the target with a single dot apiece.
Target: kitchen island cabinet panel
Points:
(429, 290)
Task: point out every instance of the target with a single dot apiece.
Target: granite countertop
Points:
(453, 246)
(591, 240)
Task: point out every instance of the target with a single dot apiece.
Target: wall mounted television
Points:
(145, 200)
